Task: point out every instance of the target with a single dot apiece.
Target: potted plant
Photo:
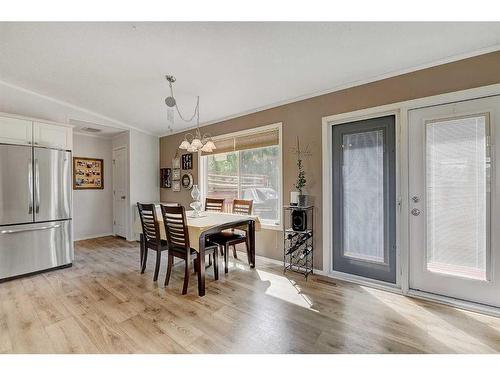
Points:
(301, 178)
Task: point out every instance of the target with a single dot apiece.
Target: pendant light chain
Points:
(198, 142)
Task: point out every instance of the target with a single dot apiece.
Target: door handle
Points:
(10, 231)
(415, 212)
(123, 197)
(30, 187)
(37, 187)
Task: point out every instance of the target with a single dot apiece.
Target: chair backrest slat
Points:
(214, 204)
(174, 218)
(150, 226)
(242, 206)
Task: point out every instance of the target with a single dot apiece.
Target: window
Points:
(246, 166)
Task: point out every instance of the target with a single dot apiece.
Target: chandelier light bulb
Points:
(196, 143)
(206, 148)
(211, 145)
(184, 145)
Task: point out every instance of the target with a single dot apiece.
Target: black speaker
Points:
(299, 220)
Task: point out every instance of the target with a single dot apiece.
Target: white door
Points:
(454, 218)
(120, 192)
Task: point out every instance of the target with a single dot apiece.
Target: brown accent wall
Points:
(303, 119)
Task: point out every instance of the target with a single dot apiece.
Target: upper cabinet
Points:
(54, 136)
(15, 131)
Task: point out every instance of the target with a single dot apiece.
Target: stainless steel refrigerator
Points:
(35, 210)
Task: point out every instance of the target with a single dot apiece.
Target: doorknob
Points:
(415, 212)
(415, 199)
(123, 197)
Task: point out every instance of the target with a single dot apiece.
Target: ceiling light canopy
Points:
(192, 142)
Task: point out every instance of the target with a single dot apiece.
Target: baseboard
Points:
(280, 263)
(92, 236)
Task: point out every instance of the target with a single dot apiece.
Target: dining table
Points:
(201, 227)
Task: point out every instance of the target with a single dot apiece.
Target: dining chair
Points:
(214, 204)
(226, 239)
(151, 236)
(174, 219)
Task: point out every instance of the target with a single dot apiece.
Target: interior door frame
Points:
(400, 110)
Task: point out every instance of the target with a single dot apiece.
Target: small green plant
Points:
(301, 177)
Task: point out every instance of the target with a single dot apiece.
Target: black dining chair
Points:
(151, 236)
(177, 232)
(226, 239)
(214, 204)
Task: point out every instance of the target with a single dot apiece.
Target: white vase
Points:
(294, 198)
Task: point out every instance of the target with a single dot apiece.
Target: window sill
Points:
(270, 226)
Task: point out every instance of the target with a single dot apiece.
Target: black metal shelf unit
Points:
(298, 254)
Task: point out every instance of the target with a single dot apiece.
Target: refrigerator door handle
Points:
(37, 187)
(30, 186)
(29, 229)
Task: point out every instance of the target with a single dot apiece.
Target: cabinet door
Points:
(15, 131)
(53, 136)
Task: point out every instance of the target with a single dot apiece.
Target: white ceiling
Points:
(113, 73)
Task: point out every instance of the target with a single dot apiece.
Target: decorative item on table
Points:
(187, 161)
(301, 176)
(196, 204)
(88, 173)
(193, 142)
(176, 174)
(166, 177)
(187, 181)
(176, 185)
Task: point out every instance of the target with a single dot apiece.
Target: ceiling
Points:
(113, 73)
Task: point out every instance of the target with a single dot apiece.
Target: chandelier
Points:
(193, 142)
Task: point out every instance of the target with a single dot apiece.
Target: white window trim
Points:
(399, 109)
(203, 168)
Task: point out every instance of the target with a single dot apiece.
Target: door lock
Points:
(415, 199)
(415, 212)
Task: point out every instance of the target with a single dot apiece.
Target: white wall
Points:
(93, 209)
(144, 156)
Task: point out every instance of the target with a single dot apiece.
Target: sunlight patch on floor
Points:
(423, 318)
(285, 289)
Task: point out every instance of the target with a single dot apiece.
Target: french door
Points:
(364, 198)
(453, 225)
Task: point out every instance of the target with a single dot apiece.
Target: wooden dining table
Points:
(209, 223)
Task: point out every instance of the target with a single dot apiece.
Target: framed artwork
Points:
(187, 161)
(176, 174)
(176, 162)
(88, 173)
(166, 177)
(176, 185)
(187, 180)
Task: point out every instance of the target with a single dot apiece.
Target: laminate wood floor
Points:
(104, 305)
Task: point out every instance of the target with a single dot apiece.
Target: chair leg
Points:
(216, 265)
(170, 263)
(144, 258)
(157, 266)
(226, 259)
(141, 250)
(234, 252)
(209, 260)
(187, 272)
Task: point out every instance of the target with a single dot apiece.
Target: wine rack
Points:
(298, 245)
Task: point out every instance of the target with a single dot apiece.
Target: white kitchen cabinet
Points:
(15, 131)
(54, 136)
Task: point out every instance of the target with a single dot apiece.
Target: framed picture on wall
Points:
(187, 161)
(176, 174)
(176, 185)
(88, 173)
(176, 162)
(166, 177)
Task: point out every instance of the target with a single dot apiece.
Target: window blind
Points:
(244, 142)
